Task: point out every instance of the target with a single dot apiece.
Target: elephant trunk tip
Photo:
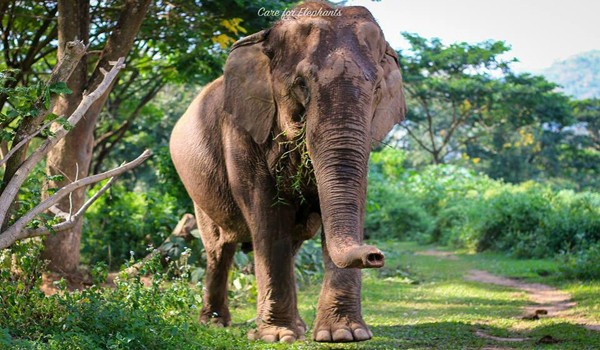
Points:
(359, 256)
(375, 260)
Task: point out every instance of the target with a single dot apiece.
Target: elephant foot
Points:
(341, 329)
(272, 334)
(220, 318)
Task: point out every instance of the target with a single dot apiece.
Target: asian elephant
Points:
(278, 147)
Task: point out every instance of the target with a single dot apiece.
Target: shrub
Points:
(127, 316)
(453, 205)
(392, 212)
(583, 264)
(124, 222)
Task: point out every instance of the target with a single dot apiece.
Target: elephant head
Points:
(338, 75)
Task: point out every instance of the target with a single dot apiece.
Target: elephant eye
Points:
(300, 91)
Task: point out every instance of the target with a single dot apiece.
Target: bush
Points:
(391, 211)
(455, 206)
(583, 264)
(125, 222)
(126, 316)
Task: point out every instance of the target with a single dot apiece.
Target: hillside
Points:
(578, 75)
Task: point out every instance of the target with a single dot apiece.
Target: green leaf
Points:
(59, 88)
(47, 98)
(65, 123)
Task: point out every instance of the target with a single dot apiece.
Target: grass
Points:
(415, 302)
(423, 302)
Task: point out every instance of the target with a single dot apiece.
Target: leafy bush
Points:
(124, 222)
(126, 316)
(392, 211)
(455, 206)
(584, 264)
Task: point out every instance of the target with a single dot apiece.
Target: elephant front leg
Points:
(277, 313)
(339, 317)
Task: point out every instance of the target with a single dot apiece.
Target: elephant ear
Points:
(248, 93)
(391, 109)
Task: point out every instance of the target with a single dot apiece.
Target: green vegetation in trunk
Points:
(295, 158)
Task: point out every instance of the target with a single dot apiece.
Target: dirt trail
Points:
(548, 301)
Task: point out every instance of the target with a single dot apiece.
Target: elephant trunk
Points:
(340, 160)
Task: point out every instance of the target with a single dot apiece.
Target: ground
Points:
(433, 298)
(427, 298)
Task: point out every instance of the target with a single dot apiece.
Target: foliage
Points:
(129, 315)
(123, 223)
(476, 212)
(466, 107)
(584, 264)
(391, 211)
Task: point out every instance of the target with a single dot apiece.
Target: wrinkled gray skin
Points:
(337, 78)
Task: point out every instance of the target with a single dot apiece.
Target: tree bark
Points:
(73, 23)
(71, 157)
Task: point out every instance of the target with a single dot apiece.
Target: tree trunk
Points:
(63, 250)
(71, 157)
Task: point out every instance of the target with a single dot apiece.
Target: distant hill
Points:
(578, 75)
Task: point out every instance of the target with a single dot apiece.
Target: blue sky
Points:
(539, 31)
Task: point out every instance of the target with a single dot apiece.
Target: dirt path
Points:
(548, 301)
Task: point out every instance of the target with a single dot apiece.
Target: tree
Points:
(14, 229)
(179, 40)
(72, 156)
(580, 147)
(465, 103)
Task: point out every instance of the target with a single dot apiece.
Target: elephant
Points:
(276, 149)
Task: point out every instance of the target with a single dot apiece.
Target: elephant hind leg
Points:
(219, 255)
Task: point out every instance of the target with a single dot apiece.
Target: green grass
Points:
(414, 302)
(423, 302)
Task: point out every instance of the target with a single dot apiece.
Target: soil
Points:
(548, 301)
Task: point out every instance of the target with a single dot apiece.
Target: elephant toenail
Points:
(342, 335)
(323, 336)
(287, 339)
(361, 334)
(269, 338)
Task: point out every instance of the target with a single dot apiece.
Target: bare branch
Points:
(12, 187)
(68, 223)
(16, 232)
(421, 143)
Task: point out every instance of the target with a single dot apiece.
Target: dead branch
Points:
(17, 232)
(12, 187)
(69, 222)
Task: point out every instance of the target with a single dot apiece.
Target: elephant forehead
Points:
(349, 64)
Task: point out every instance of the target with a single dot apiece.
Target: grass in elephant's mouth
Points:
(422, 301)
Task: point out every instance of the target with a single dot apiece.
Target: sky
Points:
(540, 32)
